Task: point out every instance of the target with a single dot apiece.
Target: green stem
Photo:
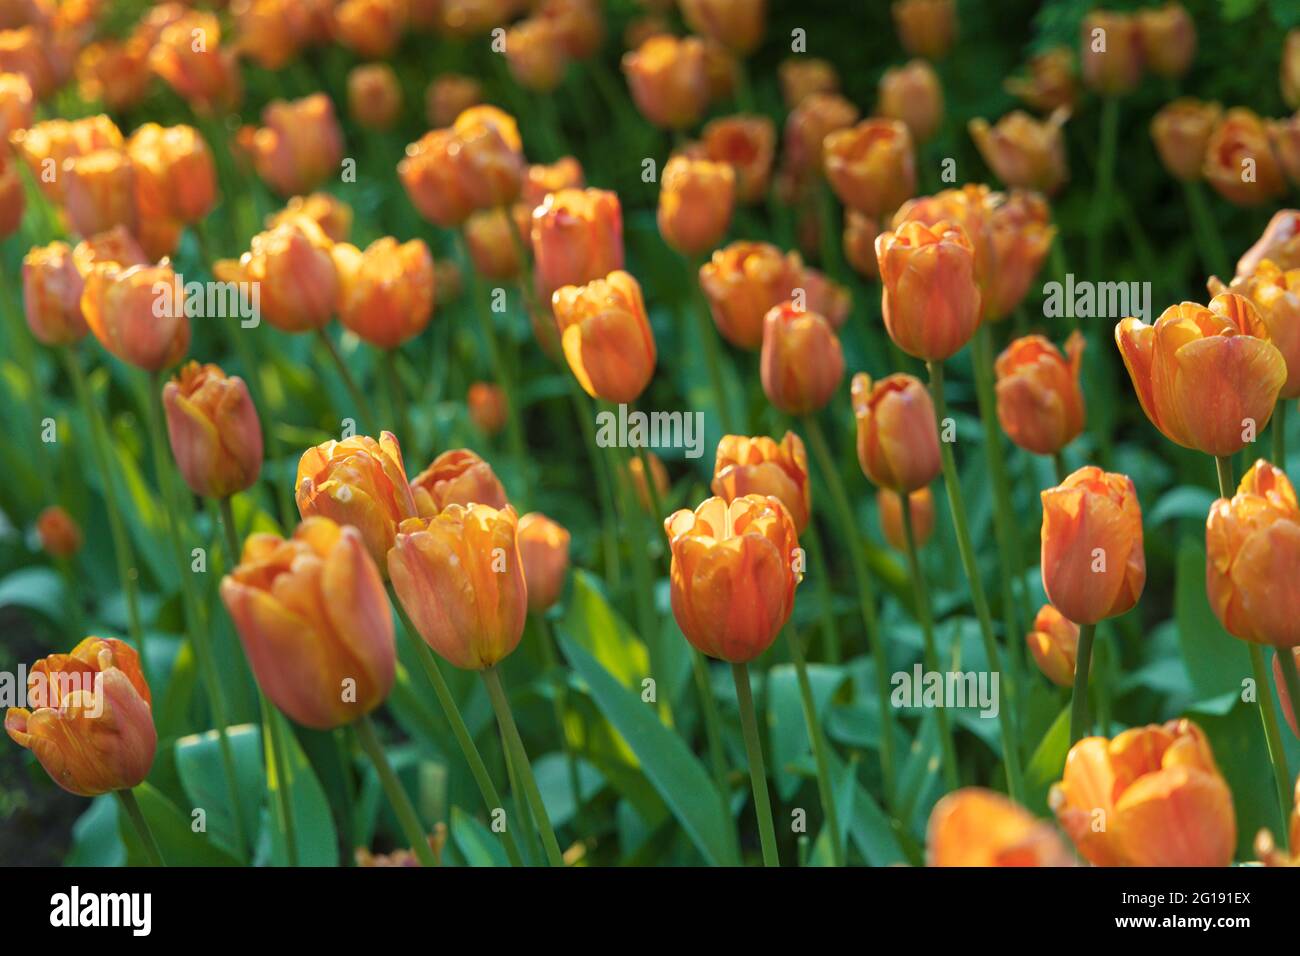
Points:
(551, 661)
(397, 398)
(825, 790)
(1058, 465)
(924, 614)
(1205, 229)
(1010, 756)
(126, 800)
(830, 631)
(520, 805)
(757, 773)
(709, 343)
(605, 481)
(1108, 142)
(477, 768)
(831, 255)
(713, 735)
(1079, 701)
(1291, 680)
(1279, 434)
(866, 595)
(354, 391)
(519, 758)
(397, 797)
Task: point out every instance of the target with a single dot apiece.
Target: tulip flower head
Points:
(131, 320)
(636, 474)
(189, 57)
(1040, 404)
(1050, 82)
(696, 200)
(746, 144)
(606, 336)
(742, 282)
(1275, 293)
(889, 506)
(215, 434)
(669, 80)
(374, 95)
(577, 236)
(1111, 51)
(802, 76)
(386, 292)
(544, 550)
(1054, 644)
(299, 145)
(448, 96)
(488, 408)
(1181, 131)
(314, 619)
(977, 827)
(912, 95)
(59, 534)
(332, 215)
(372, 28)
(736, 24)
(761, 466)
(871, 166)
(1240, 142)
(52, 295)
(536, 54)
(810, 124)
(926, 27)
(293, 267)
(801, 363)
(457, 477)
(931, 301)
(898, 439)
(1024, 152)
(1168, 36)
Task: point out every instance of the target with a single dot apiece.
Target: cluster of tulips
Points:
(446, 552)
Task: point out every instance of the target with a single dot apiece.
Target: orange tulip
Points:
(488, 157)
(871, 166)
(1181, 131)
(1289, 75)
(606, 336)
(1266, 848)
(300, 144)
(487, 405)
(1153, 796)
(189, 57)
(898, 439)
(1040, 404)
(977, 827)
(385, 292)
(467, 18)
(931, 303)
(457, 477)
(294, 269)
(890, 506)
(430, 174)
(536, 54)
(116, 73)
(760, 466)
(449, 95)
(807, 128)
(1208, 378)
(115, 247)
(541, 179)
(492, 249)
(732, 575)
(860, 233)
(926, 27)
(1280, 242)
(315, 622)
(12, 203)
(175, 177)
(802, 76)
(374, 95)
(636, 474)
(1252, 540)
(746, 144)
(46, 146)
(742, 282)
(359, 482)
(912, 95)
(580, 23)
(460, 577)
(52, 295)
(696, 199)
(1111, 50)
(1054, 643)
(1093, 563)
(1239, 162)
(125, 311)
(92, 726)
(99, 191)
(59, 533)
(1284, 140)
(1020, 234)
(544, 551)
(1276, 295)
(1284, 701)
(1168, 37)
(16, 103)
(372, 28)
(669, 80)
(801, 363)
(1050, 82)
(271, 33)
(24, 51)
(736, 24)
(1023, 152)
(332, 215)
(215, 434)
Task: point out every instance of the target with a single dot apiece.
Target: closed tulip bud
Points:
(536, 54)
(359, 482)
(807, 128)
(580, 23)
(457, 477)
(577, 236)
(1093, 562)
(802, 76)
(801, 363)
(1280, 242)
(871, 166)
(860, 233)
(133, 318)
(370, 27)
(890, 506)
(467, 18)
(977, 827)
(1208, 378)
(460, 577)
(760, 466)
(24, 51)
(315, 622)
(746, 144)
(1040, 404)
(926, 27)
(898, 438)
(271, 33)
(300, 144)
(1284, 140)
(669, 80)
(374, 96)
(1289, 76)
(1252, 540)
(1181, 131)
(931, 303)
(448, 96)
(732, 577)
(606, 336)
(489, 157)
(972, 208)
(333, 216)
(696, 200)
(175, 177)
(1159, 791)
(47, 146)
(59, 534)
(116, 73)
(544, 550)
(1239, 143)
(448, 282)
(1054, 643)
(1050, 82)
(52, 295)
(1275, 293)
(295, 272)
(1111, 51)
(16, 104)
(742, 282)
(1020, 235)
(736, 24)
(385, 292)
(1284, 701)
(12, 202)
(215, 434)
(115, 247)
(99, 191)
(826, 297)
(1168, 39)
(542, 179)
(190, 59)
(92, 727)
(492, 249)
(912, 95)
(431, 177)
(487, 407)
(1023, 152)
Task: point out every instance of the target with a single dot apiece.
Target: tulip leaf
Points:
(476, 843)
(36, 589)
(315, 836)
(202, 773)
(787, 729)
(173, 829)
(593, 624)
(1216, 661)
(552, 773)
(869, 827)
(1185, 501)
(95, 840)
(1048, 762)
(666, 761)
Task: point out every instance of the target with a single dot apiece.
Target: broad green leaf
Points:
(172, 827)
(202, 771)
(95, 840)
(787, 729)
(315, 835)
(1048, 762)
(37, 589)
(1216, 661)
(552, 773)
(594, 625)
(476, 843)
